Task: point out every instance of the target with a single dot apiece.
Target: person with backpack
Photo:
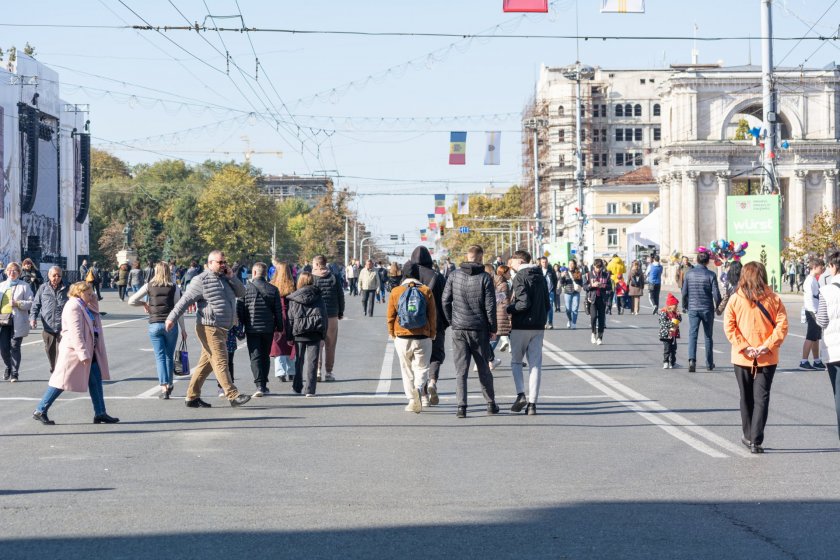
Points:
(756, 324)
(262, 316)
(307, 328)
(436, 282)
(412, 324)
(529, 308)
(122, 280)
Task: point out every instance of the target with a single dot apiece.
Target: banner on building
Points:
(440, 204)
(623, 6)
(463, 204)
(757, 220)
(492, 155)
(457, 148)
(539, 6)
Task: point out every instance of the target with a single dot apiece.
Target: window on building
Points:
(656, 109)
(583, 159)
(636, 208)
(638, 160)
(655, 162)
(651, 80)
(637, 110)
(561, 160)
(582, 110)
(612, 237)
(612, 208)
(637, 134)
(596, 90)
(561, 111)
(628, 110)
(619, 110)
(605, 160)
(628, 160)
(619, 159)
(619, 135)
(657, 134)
(642, 81)
(603, 135)
(561, 135)
(583, 135)
(652, 206)
(596, 111)
(628, 134)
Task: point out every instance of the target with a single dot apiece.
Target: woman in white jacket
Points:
(828, 317)
(15, 302)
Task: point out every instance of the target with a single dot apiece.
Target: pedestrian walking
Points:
(382, 272)
(82, 362)
(636, 287)
(572, 283)
(149, 271)
(158, 297)
(395, 277)
(307, 327)
(412, 322)
(669, 331)
(756, 324)
(598, 286)
(558, 287)
(529, 308)
(97, 279)
(15, 302)
(214, 291)
(30, 274)
(232, 340)
(369, 285)
(48, 305)
(351, 272)
(135, 277)
(616, 268)
(501, 282)
(469, 303)
(828, 318)
(621, 294)
(84, 268)
(262, 316)
(436, 282)
(700, 298)
(729, 285)
(801, 274)
(551, 282)
(811, 301)
(653, 278)
(790, 272)
(333, 294)
(122, 280)
(282, 347)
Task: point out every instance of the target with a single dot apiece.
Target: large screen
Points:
(41, 236)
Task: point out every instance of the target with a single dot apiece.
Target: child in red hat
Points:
(669, 331)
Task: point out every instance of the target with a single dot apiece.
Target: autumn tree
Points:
(323, 233)
(485, 213)
(818, 238)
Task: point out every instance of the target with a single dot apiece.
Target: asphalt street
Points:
(624, 459)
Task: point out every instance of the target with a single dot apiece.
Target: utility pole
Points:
(355, 244)
(768, 183)
(346, 239)
(535, 124)
(577, 73)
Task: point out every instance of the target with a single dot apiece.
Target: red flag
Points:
(526, 6)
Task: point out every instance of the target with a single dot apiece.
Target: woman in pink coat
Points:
(81, 364)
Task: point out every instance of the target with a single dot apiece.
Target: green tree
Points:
(743, 130)
(324, 231)
(485, 213)
(818, 238)
(104, 166)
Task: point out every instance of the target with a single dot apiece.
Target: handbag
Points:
(182, 359)
(575, 286)
(5, 319)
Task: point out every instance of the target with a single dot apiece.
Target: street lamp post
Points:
(362, 248)
(578, 72)
(535, 124)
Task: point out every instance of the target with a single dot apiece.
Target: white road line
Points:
(395, 396)
(384, 386)
(103, 326)
(592, 376)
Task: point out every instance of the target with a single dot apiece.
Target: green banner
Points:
(757, 220)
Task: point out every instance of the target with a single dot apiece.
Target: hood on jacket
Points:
(473, 269)
(320, 271)
(616, 260)
(306, 295)
(422, 256)
(531, 270)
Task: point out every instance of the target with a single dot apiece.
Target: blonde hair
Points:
(13, 264)
(283, 279)
(163, 275)
(78, 289)
(305, 279)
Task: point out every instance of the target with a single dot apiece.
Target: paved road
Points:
(625, 460)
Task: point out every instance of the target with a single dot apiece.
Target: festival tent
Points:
(644, 234)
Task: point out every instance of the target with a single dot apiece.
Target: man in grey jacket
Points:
(48, 304)
(214, 291)
(700, 298)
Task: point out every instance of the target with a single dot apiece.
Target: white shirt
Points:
(812, 294)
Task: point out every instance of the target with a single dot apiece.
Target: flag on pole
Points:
(492, 155)
(450, 221)
(463, 204)
(432, 223)
(525, 6)
(440, 204)
(457, 148)
(423, 236)
(622, 6)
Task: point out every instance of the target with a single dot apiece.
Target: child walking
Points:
(669, 331)
(621, 294)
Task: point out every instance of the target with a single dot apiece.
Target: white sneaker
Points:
(257, 393)
(665, 365)
(329, 377)
(594, 338)
(568, 324)
(494, 364)
(414, 403)
(475, 367)
(424, 401)
(600, 341)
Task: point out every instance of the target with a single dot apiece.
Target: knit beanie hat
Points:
(671, 300)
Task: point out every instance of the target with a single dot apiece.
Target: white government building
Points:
(682, 123)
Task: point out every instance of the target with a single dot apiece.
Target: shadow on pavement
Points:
(49, 491)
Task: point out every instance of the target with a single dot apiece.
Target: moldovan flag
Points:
(423, 236)
(440, 204)
(457, 148)
(432, 223)
(463, 204)
(494, 140)
(623, 6)
(525, 6)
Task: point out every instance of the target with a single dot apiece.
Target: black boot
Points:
(42, 418)
(692, 366)
(105, 419)
(520, 403)
(532, 409)
(492, 408)
(462, 412)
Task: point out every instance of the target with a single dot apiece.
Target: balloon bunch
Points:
(722, 251)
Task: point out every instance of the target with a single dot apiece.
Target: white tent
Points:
(643, 234)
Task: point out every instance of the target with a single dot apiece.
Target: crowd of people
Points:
(291, 314)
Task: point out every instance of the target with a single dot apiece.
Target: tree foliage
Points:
(818, 238)
(743, 130)
(485, 213)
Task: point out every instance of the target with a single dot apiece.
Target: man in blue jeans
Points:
(653, 278)
(700, 298)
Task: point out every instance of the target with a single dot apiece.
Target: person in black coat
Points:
(307, 327)
(598, 286)
(436, 282)
(262, 315)
(469, 303)
(332, 291)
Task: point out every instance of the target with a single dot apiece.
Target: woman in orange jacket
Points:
(755, 322)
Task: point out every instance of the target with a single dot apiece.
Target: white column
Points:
(830, 190)
(689, 212)
(664, 216)
(796, 203)
(720, 214)
(676, 210)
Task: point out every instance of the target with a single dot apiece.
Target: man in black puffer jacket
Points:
(529, 308)
(333, 293)
(469, 303)
(700, 298)
(262, 315)
(436, 282)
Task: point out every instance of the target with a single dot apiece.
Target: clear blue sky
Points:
(473, 77)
